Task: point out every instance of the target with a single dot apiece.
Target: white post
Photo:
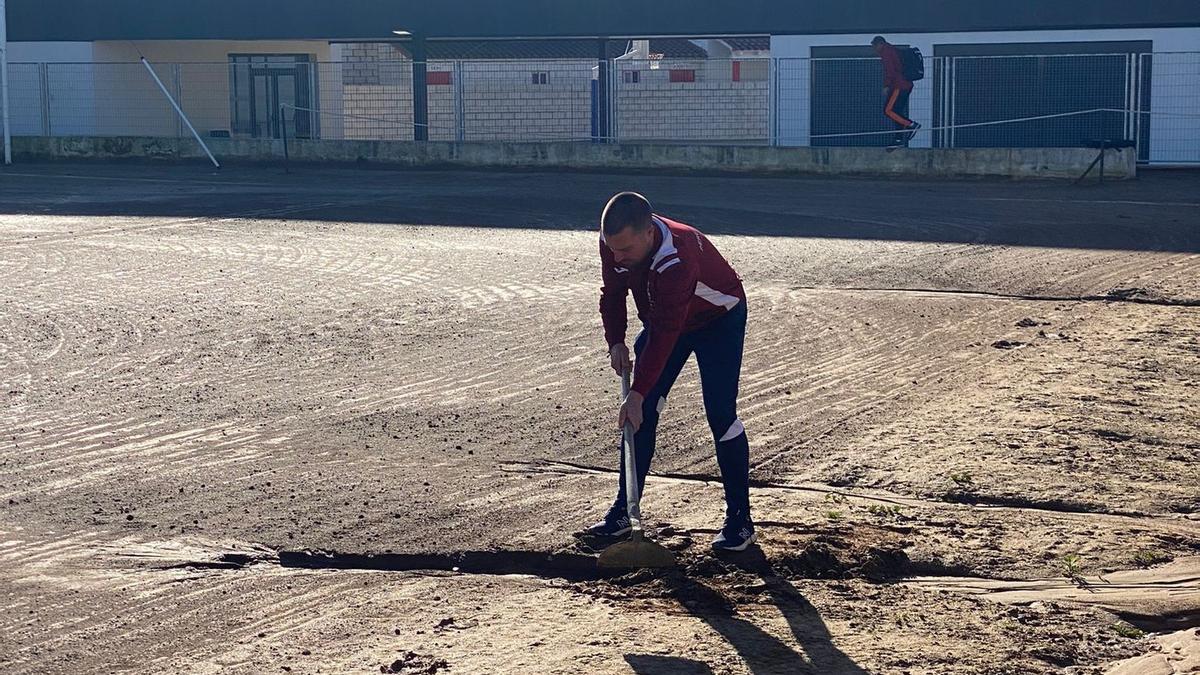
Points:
(772, 103)
(4, 83)
(460, 116)
(181, 115)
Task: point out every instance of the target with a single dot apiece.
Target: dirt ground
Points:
(350, 420)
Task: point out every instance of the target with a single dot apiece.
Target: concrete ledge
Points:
(916, 162)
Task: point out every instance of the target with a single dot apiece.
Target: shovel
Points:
(637, 551)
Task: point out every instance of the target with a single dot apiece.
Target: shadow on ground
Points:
(762, 652)
(569, 566)
(1154, 213)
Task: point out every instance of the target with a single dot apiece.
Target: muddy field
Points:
(349, 421)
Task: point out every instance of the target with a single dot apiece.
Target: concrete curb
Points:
(1065, 163)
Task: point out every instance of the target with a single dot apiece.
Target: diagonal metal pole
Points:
(180, 112)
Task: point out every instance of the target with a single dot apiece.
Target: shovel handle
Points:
(632, 495)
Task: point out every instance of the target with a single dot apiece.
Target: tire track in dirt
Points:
(154, 602)
(152, 605)
(89, 453)
(128, 229)
(221, 347)
(1061, 417)
(842, 368)
(854, 354)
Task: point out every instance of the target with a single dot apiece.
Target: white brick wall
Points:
(377, 112)
(714, 107)
(501, 102)
(498, 100)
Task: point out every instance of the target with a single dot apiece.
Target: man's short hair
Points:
(877, 40)
(625, 209)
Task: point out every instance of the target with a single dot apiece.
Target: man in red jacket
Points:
(689, 300)
(896, 89)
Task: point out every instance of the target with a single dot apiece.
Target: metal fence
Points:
(963, 101)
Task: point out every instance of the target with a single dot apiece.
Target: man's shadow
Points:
(763, 653)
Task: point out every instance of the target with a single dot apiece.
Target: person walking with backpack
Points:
(897, 86)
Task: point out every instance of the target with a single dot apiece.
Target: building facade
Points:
(1027, 74)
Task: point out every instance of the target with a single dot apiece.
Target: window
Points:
(680, 75)
(631, 76)
(437, 78)
(541, 78)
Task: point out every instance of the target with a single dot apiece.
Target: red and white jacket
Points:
(684, 285)
(893, 69)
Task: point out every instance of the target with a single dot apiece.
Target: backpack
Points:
(912, 63)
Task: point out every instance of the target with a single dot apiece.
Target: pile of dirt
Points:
(743, 577)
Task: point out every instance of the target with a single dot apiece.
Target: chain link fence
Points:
(1152, 100)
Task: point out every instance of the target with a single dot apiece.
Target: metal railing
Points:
(963, 101)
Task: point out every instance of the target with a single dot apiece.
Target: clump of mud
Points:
(412, 663)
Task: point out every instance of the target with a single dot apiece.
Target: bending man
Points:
(689, 300)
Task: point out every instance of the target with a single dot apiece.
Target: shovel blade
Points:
(636, 553)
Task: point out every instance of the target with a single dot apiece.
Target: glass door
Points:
(260, 85)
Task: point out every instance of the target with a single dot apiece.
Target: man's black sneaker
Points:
(615, 524)
(737, 534)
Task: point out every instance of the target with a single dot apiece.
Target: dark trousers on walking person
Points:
(718, 350)
(896, 109)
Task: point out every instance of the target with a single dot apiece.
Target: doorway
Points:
(271, 93)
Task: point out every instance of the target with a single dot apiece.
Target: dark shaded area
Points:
(1020, 502)
(762, 652)
(225, 561)
(1158, 212)
(366, 19)
(569, 566)
(1168, 622)
(846, 97)
(649, 664)
(1019, 87)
